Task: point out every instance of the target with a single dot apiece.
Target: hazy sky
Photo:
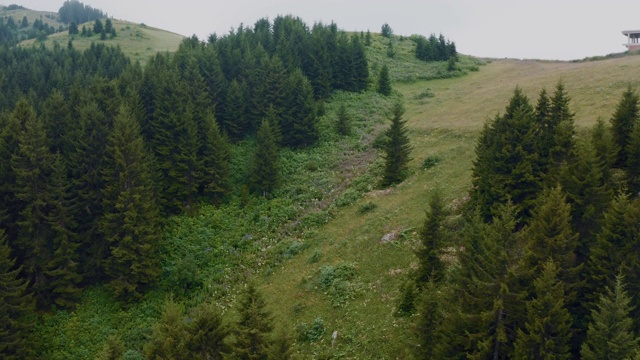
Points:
(545, 29)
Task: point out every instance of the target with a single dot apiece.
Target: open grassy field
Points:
(138, 41)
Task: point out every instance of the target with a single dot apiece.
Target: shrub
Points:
(311, 332)
(430, 162)
(367, 207)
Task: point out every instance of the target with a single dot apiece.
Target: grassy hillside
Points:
(50, 18)
(138, 41)
(444, 126)
(316, 251)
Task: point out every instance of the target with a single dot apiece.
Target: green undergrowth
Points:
(208, 254)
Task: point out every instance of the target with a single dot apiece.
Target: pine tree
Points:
(62, 269)
(130, 219)
(587, 193)
(343, 122)
(265, 162)
(207, 333)
(506, 166)
(615, 249)
(86, 165)
(624, 120)
(610, 334)
(169, 335)
(633, 163)
(605, 150)
(384, 82)
(432, 236)
(397, 149)
(487, 289)
(429, 321)
(32, 168)
(215, 161)
(234, 120)
(15, 305)
(9, 203)
(252, 332)
(550, 238)
(360, 66)
(299, 124)
(547, 330)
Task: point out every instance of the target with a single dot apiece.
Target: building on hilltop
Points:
(633, 42)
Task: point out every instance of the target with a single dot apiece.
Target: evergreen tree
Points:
(86, 165)
(207, 333)
(360, 66)
(432, 236)
(343, 122)
(550, 238)
(616, 249)
(234, 120)
(55, 116)
(265, 161)
(397, 149)
(488, 305)
(587, 193)
(169, 335)
(16, 304)
(429, 321)
(547, 330)
(384, 82)
(9, 203)
(386, 30)
(32, 168)
(560, 129)
(506, 161)
(367, 39)
(215, 161)
(252, 332)
(624, 120)
(633, 163)
(299, 123)
(73, 28)
(62, 269)
(130, 219)
(113, 349)
(98, 27)
(610, 334)
(605, 150)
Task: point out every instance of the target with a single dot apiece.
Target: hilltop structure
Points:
(633, 42)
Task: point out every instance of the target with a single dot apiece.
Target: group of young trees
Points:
(547, 265)
(73, 11)
(434, 48)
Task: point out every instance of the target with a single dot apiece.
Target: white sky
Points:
(542, 29)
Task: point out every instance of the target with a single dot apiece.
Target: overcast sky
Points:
(543, 29)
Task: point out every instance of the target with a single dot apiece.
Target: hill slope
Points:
(443, 127)
(138, 41)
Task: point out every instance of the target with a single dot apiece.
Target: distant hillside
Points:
(138, 41)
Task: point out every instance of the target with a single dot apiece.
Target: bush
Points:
(427, 93)
(337, 281)
(367, 207)
(430, 162)
(311, 332)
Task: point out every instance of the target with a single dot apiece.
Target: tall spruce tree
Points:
(430, 316)
(615, 250)
(633, 163)
(130, 221)
(343, 121)
(32, 168)
(506, 161)
(9, 203)
(62, 269)
(623, 121)
(16, 304)
(488, 290)
(397, 150)
(299, 124)
(605, 150)
(264, 175)
(253, 330)
(432, 237)
(610, 334)
(234, 119)
(547, 330)
(86, 165)
(215, 161)
(384, 81)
